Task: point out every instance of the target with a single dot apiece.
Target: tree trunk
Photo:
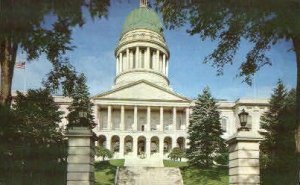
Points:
(8, 53)
(296, 42)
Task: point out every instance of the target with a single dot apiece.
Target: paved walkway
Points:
(154, 161)
(149, 176)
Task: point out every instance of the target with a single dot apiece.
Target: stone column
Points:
(121, 147)
(122, 123)
(134, 146)
(135, 111)
(96, 117)
(244, 158)
(127, 59)
(174, 118)
(161, 119)
(117, 66)
(157, 60)
(137, 58)
(109, 125)
(108, 142)
(187, 117)
(167, 68)
(121, 62)
(148, 147)
(164, 64)
(148, 119)
(130, 59)
(161, 146)
(80, 159)
(174, 142)
(147, 58)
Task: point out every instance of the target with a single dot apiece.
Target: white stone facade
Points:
(142, 115)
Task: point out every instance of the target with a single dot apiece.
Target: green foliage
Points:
(278, 147)
(210, 176)
(204, 132)
(32, 147)
(42, 28)
(262, 23)
(105, 171)
(103, 152)
(176, 153)
(81, 103)
(172, 163)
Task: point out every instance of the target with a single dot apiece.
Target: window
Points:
(142, 58)
(151, 59)
(224, 124)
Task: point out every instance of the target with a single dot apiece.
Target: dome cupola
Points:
(142, 52)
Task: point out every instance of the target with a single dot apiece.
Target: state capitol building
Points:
(141, 115)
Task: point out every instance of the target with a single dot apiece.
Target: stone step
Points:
(149, 176)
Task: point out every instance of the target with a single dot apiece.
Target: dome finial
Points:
(143, 3)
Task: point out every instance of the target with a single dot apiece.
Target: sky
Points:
(94, 56)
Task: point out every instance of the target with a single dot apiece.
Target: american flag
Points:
(20, 65)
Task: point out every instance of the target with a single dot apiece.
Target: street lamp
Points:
(243, 116)
(83, 118)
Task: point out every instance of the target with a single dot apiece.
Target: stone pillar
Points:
(121, 146)
(167, 68)
(174, 118)
(157, 60)
(122, 123)
(148, 119)
(80, 159)
(147, 58)
(161, 146)
(164, 64)
(187, 117)
(130, 59)
(161, 119)
(121, 62)
(108, 142)
(148, 147)
(135, 111)
(127, 59)
(109, 125)
(96, 117)
(244, 158)
(134, 146)
(117, 66)
(137, 58)
(174, 142)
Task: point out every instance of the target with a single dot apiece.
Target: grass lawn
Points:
(170, 163)
(105, 171)
(196, 176)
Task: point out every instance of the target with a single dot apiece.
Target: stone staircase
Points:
(135, 175)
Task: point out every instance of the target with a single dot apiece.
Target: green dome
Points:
(143, 18)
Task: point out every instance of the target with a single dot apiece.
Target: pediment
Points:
(141, 90)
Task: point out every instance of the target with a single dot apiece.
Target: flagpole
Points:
(24, 90)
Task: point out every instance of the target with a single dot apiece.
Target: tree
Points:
(103, 152)
(262, 23)
(278, 147)
(81, 103)
(176, 153)
(26, 26)
(32, 146)
(204, 132)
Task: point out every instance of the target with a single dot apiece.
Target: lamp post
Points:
(243, 116)
(83, 118)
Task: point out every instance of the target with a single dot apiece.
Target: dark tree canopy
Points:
(81, 103)
(278, 148)
(25, 26)
(205, 132)
(32, 147)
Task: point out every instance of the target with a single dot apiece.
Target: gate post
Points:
(244, 158)
(80, 170)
